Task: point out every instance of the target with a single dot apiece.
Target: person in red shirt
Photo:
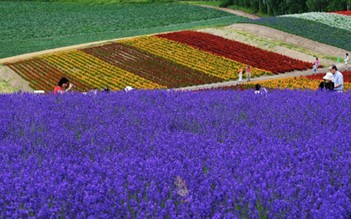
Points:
(63, 86)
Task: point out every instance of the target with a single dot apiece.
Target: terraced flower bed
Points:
(173, 60)
(224, 68)
(149, 66)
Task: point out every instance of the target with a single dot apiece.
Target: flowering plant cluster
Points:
(208, 63)
(240, 52)
(310, 82)
(158, 154)
(149, 66)
(85, 71)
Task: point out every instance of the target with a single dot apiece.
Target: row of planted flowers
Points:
(173, 60)
(348, 13)
(237, 51)
(208, 63)
(160, 154)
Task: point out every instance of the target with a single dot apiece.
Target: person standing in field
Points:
(63, 86)
(346, 59)
(248, 72)
(315, 66)
(241, 71)
(338, 79)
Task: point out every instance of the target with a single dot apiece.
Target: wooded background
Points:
(279, 7)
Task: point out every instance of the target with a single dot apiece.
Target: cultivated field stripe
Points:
(149, 66)
(98, 73)
(237, 51)
(41, 75)
(193, 58)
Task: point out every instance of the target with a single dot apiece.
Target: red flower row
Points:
(348, 13)
(237, 51)
(40, 74)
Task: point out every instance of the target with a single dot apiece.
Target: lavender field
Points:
(159, 154)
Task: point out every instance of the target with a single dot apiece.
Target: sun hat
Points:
(329, 76)
(128, 88)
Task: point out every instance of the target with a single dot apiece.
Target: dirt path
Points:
(232, 11)
(13, 79)
(230, 83)
(278, 35)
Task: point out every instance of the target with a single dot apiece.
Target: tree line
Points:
(279, 7)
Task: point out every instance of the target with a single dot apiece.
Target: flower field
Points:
(237, 51)
(149, 66)
(313, 30)
(221, 67)
(85, 71)
(34, 26)
(333, 20)
(160, 154)
(153, 62)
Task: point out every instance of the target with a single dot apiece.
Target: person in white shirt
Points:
(338, 79)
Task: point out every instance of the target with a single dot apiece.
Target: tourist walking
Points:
(315, 66)
(327, 83)
(346, 59)
(338, 79)
(248, 72)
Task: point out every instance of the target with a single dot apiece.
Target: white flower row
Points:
(333, 20)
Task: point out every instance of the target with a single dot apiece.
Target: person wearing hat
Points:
(328, 83)
(128, 88)
(338, 79)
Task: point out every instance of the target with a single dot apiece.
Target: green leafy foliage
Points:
(34, 26)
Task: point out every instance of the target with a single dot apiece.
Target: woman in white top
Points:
(241, 70)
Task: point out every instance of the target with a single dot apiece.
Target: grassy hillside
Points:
(34, 26)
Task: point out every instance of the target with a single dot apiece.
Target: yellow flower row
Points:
(294, 83)
(97, 73)
(192, 58)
